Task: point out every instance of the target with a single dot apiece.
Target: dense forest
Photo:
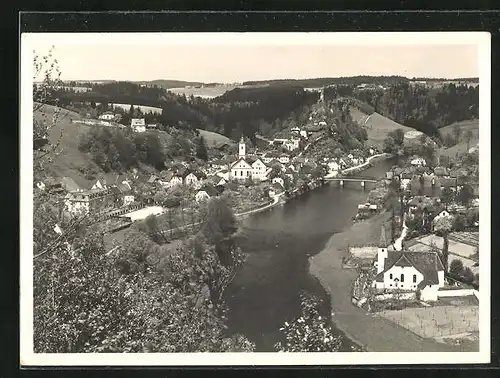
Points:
(325, 81)
(268, 109)
(425, 109)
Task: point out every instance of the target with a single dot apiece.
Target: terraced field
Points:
(377, 126)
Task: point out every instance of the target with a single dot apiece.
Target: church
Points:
(246, 167)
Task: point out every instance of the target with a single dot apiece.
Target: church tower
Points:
(242, 152)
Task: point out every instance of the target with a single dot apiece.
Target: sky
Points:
(233, 62)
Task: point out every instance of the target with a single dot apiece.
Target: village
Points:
(424, 273)
(252, 178)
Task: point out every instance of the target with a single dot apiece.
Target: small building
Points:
(284, 159)
(107, 116)
(205, 193)
(439, 214)
(448, 182)
(138, 125)
(441, 172)
(418, 161)
(259, 170)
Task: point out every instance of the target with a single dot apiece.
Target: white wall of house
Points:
(429, 293)
(128, 199)
(76, 207)
(259, 170)
(202, 196)
(284, 159)
(408, 278)
(190, 179)
(241, 170)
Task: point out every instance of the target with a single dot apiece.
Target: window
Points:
(390, 276)
(414, 278)
(402, 278)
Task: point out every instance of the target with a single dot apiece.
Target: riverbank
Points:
(370, 332)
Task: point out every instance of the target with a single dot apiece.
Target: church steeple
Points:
(242, 148)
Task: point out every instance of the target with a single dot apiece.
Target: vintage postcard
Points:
(255, 198)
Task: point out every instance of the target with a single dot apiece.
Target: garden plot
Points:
(439, 322)
(455, 247)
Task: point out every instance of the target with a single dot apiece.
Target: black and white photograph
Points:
(255, 198)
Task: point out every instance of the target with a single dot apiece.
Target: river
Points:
(278, 243)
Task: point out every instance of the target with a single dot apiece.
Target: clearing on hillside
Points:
(215, 139)
(377, 126)
(461, 146)
(71, 162)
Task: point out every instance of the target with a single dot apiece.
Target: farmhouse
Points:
(88, 201)
(205, 193)
(411, 271)
(138, 125)
(107, 116)
(438, 214)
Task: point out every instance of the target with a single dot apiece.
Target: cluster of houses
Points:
(421, 271)
(139, 125)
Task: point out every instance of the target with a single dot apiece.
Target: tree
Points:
(468, 275)
(468, 137)
(310, 332)
(201, 149)
(447, 196)
(456, 267)
(443, 227)
(459, 223)
(465, 195)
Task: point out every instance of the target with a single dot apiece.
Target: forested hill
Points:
(424, 108)
(325, 81)
(268, 109)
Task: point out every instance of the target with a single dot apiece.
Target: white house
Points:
(138, 125)
(205, 193)
(241, 170)
(333, 166)
(283, 159)
(303, 133)
(107, 116)
(174, 181)
(292, 144)
(259, 170)
(418, 162)
(411, 271)
(438, 215)
(191, 179)
(322, 123)
(99, 185)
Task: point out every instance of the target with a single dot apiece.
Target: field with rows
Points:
(438, 322)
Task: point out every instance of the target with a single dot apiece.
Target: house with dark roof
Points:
(448, 182)
(206, 192)
(441, 172)
(409, 271)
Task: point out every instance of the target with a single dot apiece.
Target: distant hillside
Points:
(167, 84)
(215, 139)
(460, 147)
(464, 126)
(321, 82)
(376, 126)
(70, 162)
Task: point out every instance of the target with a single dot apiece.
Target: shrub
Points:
(457, 267)
(468, 275)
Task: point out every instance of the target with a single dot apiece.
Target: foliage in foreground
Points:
(310, 332)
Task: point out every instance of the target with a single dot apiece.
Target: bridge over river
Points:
(363, 182)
